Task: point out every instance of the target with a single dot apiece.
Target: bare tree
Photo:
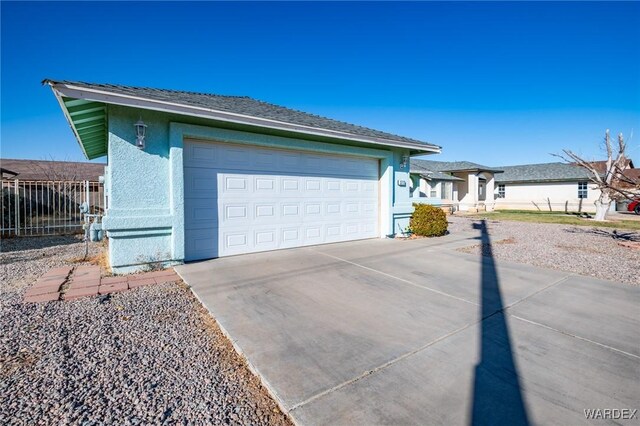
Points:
(612, 183)
(51, 169)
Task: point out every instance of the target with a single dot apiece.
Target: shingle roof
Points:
(246, 106)
(542, 172)
(449, 166)
(53, 170)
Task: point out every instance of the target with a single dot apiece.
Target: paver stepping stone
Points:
(77, 293)
(141, 282)
(112, 288)
(113, 280)
(48, 297)
(84, 284)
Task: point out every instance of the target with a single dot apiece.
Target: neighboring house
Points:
(548, 186)
(6, 173)
(46, 170)
(601, 166)
(223, 175)
(459, 185)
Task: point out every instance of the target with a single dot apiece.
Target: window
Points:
(582, 189)
(446, 190)
(501, 190)
(433, 193)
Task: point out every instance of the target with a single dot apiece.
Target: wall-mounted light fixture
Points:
(405, 162)
(141, 129)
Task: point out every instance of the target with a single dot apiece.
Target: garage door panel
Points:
(312, 186)
(289, 186)
(252, 199)
(290, 237)
(264, 212)
(236, 212)
(235, 184)
(265, 185)
(333, 231)
(266, 238)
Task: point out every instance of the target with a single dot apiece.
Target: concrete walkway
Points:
(414, 332)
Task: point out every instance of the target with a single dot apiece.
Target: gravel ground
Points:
(595, 252)
(147, 356)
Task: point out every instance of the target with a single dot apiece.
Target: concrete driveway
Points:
(414, 332)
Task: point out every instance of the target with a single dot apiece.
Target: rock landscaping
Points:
(147, 355)
(604, 253)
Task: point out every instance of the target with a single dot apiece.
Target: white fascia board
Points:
(77, 92)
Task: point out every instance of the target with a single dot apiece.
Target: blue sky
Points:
(496, 83)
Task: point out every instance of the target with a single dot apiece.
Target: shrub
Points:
(428, 221)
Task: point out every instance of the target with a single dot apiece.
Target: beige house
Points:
(460, 185)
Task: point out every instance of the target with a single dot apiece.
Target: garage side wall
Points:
(145, 216)
(139, 221)
(402, 205)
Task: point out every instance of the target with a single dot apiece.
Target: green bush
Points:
(428, 221)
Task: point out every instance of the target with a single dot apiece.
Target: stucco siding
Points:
(145, 218)
(556, 196)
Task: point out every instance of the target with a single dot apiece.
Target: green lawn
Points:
(554, 217)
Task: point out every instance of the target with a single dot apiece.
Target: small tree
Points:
(610, 183)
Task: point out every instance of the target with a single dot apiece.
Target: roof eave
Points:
(451, 178)
(58, 96)
(478, 170)
(77, 92)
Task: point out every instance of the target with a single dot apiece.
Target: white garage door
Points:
(244, 199)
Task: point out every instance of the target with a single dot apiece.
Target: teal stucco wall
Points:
(145, 214)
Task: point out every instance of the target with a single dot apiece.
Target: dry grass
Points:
(554, 217)
(101, 259)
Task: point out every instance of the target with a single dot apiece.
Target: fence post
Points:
(16, 206)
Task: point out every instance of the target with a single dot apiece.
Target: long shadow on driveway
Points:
(497, 396)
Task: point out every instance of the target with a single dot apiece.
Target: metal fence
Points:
(47, 207)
